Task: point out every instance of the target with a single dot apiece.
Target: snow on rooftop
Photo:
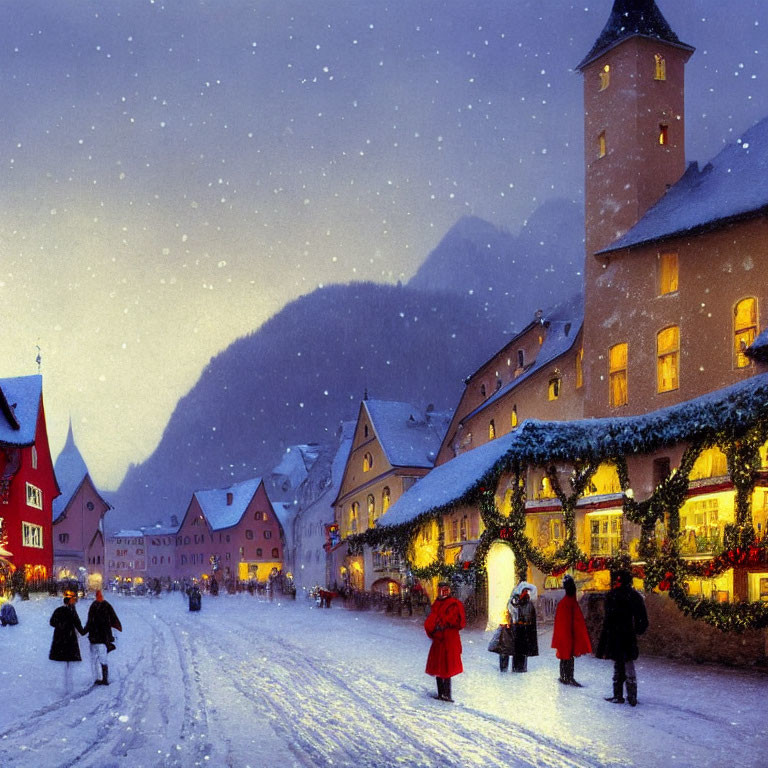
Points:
(733, 185)
(23, 395)
(408, 437)
(214, 503)
(732, 408)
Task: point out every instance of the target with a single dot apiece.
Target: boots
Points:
(565, 677)
(104, 676)
(618, 693)
(439, 694)
(632, 692)
(447, 689)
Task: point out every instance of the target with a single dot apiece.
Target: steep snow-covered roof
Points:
(632, 18)
(758, 349)
(294, 467)
(731, 409)
(22, 396)
(217, 512)
(70, 470)
(408, 438)
(161, 530)
(559, 338)
(732, 186)
(285, 511)
(127, 533)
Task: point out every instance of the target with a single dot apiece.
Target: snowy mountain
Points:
(305, 370)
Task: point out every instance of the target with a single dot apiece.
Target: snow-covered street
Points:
(252, 683)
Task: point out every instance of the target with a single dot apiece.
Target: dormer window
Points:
(605, 77)
(602, 147)
(660, 67)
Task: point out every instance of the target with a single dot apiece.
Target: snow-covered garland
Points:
(737, 424)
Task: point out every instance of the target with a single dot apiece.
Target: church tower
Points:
(634, 124)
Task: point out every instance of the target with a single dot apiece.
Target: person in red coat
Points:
(442, 626)
(570, 636)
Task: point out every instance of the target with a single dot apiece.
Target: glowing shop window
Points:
(617, 374)
(668, 359)
(744, 329)
(604, 533)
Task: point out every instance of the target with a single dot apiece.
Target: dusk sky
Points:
(174, 172)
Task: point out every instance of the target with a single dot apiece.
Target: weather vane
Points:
(39, 358)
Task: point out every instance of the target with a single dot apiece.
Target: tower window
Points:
(744, 329)
(605, 77)
(668, 358)
(617, 375)
(660, 67)
(602, 147)
(668, 273)
(663, 135)
(553, 391)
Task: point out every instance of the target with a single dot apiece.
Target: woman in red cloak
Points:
(570, 636)
(442, 626)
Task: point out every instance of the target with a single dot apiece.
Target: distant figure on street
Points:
(625, 619)
(214, 587)
(570, 636)
(195, 598)
(523, 614)
(442, 627)
(65, 647)
(503, 642)
(8, 617)
(102, 619)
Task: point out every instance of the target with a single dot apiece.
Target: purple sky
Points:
(174, 173)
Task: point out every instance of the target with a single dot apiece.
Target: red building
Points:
(232, 532)
(27, 481)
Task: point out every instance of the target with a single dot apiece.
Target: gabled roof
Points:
(217, 512)
(408, 438)
(632, 18)
(733, 186)
(19, 407)
(70, 470)
(127, 533)
(732, 409)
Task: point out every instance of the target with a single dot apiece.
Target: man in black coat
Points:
(625, 619)
(102, 619)
(65, 647)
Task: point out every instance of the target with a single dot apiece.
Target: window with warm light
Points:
(604, 533)
(513, 417)
(668, 273)
(491, 430)
(660, 67)
(464, 528)
(354, 513)
(371, 510)
(602, 147)
(385, 500)
(617, 375)
(668, 359)
(605, 77)
(553, 390)
(663, 134)
(744, 329)
(580, 368)
(367, 462)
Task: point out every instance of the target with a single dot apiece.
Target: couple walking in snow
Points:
(65, 647)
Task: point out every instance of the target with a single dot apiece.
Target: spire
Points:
(631, 18)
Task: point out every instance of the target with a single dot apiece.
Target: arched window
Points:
(491, 430)
(371, 510)
(553, 390)
(605, 77)
(367, 462)
(354, 513)
(744, 329)
(660, 67)
(668, 359)
(617, 374)
(385, 500)
(513, 417)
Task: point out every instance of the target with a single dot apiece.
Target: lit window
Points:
(371, 510)
(353, 515)
(556, 530)
(463, 528)
(367, 462)
(668, 358)
(553, 391)
(663, 135)
(602, 147)
(617, 374)
(668, 273)
(513, 417)
(711, 462)
(744, 329)
(385, 500)
(580, 368)
(491, 430)
(545, 489)
(660, 67)
(605, 77)
(604, 534)
(34, 496)
(32, 535)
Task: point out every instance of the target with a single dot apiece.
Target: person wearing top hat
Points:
(442, 626)
(64, 646)
(570, 637)
(102, 619)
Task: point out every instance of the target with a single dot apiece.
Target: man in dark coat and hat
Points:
(102, 619)
(442, 626)
(65, 647)
(625, 619)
